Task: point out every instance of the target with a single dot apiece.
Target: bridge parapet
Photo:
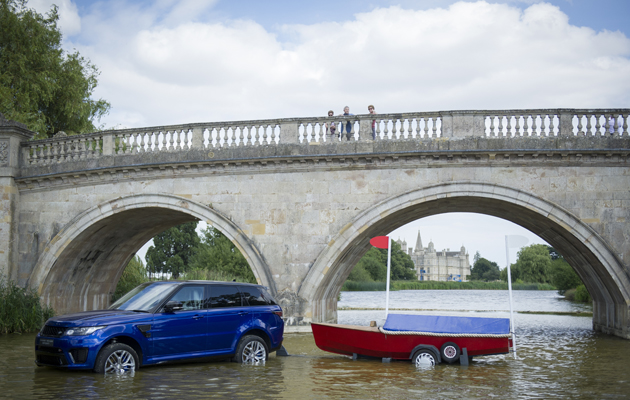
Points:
(417, 126)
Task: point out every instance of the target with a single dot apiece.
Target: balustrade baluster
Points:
(434, 121)
(598, 125)
(61, 152)
(510, 126)
(534, 125)
(500, 132)
(96, 152)
(169, 141)
(82, 148)
(492, 128)
(625, 124)
(264, 134)
(249, 135)
(54, 153)
(47, 151)
(551, 126)
(526, 132)
(143, 143)
(36, 154)
(615, 130)
(518, 126)
(254, 135)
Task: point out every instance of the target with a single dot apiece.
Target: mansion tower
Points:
(432, 265)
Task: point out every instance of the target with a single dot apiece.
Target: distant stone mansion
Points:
(432, 265)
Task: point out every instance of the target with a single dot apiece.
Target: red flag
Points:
(380, 242)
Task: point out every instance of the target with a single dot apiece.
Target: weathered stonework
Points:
(302, 210)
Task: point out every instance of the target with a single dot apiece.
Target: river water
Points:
(559, 356)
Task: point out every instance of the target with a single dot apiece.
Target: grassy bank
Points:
(21, 309)
(350, 286)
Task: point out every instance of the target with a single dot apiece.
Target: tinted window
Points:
(253, 296)
(191, 297)
(224, 296)
(145, 297)
(268, 297)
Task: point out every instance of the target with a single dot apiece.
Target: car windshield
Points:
(144, 297)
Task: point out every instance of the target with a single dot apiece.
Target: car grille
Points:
(53, 331)
(79, 355)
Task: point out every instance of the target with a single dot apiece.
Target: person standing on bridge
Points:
(346, 111)
(371, 111)
(331, 127)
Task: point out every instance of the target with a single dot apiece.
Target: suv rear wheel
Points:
(251, 350)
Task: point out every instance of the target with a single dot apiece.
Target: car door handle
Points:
(197, 316)
(243, 313)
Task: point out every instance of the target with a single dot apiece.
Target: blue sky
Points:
(169, 62)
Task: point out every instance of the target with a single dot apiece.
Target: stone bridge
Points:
(301, 205)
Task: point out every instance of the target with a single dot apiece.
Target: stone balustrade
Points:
(419, 126)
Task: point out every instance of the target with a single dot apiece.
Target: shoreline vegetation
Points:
(352, 286)
(21, 310)
(569, 313)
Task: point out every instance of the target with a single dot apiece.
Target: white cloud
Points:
(69, 21)
(468, 56)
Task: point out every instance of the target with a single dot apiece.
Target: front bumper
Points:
(66, 352)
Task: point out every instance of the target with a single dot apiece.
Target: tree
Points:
(217, 252)
(554, 254)
(375, 263)
(41, 85)
(532, 264)
(173, 249)
(484, 270)
(562, 276)
(134, 274)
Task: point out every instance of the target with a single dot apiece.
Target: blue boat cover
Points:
(447, 324)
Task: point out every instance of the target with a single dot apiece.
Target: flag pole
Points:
(389, 262)
(509, 278)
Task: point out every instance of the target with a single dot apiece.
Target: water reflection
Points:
(558, 357)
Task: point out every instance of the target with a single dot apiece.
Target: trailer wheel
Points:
(424, 358)
(450, 352)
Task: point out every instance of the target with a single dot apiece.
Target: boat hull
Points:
(370, 341)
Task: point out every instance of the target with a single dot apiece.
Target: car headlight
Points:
(88, 330)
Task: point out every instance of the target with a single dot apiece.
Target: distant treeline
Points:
(352, 286)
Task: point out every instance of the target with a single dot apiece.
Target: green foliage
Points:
(134, 274)
(41, 85)
(217, 253)
(173, 249)
(351, 286)
(21, 309)
(374, 262)
(360, 274)
(554, 254)
(582, 295)
(563, 276)
(484, 270)
(211, 275)
(532, 264)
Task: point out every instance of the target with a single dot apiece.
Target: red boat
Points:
(423, 339)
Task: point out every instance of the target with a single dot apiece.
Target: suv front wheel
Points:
(251, 350)
(116, 358)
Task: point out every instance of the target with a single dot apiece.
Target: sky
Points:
(170, 62)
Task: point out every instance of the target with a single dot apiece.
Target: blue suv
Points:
(166, 321)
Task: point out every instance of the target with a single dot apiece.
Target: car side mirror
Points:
(173, 306)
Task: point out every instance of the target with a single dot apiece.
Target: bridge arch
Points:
(593, 259)
(81, 265)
